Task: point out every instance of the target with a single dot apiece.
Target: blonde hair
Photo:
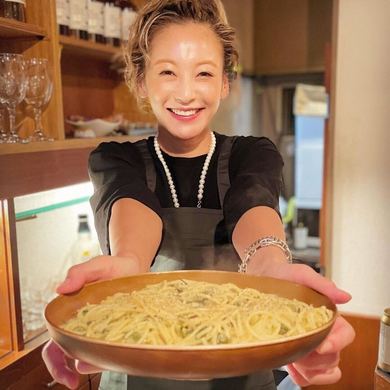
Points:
(157, 14)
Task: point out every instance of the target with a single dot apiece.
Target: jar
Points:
(14, 9)
(384, 342)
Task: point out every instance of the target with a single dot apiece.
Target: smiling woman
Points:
(191, 198)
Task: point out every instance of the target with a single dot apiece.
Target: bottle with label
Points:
(128, 16)
(62, 7)
(112, 23)
(83, 249)
(384, 342)
(78, 19)
(96, 21)
(14, 9)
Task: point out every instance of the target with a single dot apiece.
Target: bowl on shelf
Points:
(100, 127)
(181, 362)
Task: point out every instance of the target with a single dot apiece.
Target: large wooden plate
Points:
(203, 362)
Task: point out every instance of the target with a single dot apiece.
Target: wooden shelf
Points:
(83, 48)
(74, 143)
(13, 29)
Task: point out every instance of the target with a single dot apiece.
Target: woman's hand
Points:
(62, 367)
(320, 366)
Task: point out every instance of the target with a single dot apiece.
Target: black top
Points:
(117, 171)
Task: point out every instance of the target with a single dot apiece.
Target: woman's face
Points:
(184, 79)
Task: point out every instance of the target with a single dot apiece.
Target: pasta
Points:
(191, 313)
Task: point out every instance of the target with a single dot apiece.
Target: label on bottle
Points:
(112, 21)
(78, 19)
(384, 344)
(95, 17)
(16, 1)
(128, 17)
(62, 7)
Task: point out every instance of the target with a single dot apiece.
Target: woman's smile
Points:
(185, 115)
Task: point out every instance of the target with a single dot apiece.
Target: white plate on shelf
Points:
(100, 127)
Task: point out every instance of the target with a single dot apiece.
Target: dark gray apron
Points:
(188, 243)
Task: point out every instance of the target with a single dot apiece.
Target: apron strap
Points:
(223, 168)
(149, 164)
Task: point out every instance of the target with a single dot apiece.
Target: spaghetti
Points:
(190, 313)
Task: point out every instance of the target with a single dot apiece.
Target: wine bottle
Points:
(96, 21)
(128, 16)
(62, 7)
(15, 9)
(78, 19)
(2, 8)
(112, 23)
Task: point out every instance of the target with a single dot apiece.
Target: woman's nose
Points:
(185, 92)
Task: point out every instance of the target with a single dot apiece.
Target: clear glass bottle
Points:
(62, 7)
(78, 19)
(112, 23)
(15, 9)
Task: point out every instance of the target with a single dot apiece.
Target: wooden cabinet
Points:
(290, 36)
(85, 85)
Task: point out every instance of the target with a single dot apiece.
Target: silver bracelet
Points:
(261, 243)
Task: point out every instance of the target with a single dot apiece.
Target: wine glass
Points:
(3, 133)
(12, 90)
(38, 93)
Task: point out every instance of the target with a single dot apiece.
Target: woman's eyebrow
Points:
(168, 61)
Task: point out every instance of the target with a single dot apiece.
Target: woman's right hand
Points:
(62, 367)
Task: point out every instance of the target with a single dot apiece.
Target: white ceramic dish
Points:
(100, 127)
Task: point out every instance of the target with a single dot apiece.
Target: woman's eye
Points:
(205, 74)
(166, 73)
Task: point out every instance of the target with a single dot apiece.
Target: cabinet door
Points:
(290, 35)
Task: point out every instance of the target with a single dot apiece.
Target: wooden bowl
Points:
(178, 362)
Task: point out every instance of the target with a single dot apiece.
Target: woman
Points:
(191, 198)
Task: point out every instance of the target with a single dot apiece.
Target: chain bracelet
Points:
(261, 243)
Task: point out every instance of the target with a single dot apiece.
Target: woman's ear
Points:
(141, 89)
(225, 87)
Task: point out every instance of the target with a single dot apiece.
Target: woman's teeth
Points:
(184, 113)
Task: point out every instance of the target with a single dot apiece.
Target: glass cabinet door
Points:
(47, 233)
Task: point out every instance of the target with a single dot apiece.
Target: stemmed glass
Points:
(38, 94)
(3, 133)
(12, 89)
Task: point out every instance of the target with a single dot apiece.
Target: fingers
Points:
(56, 363)
(296, 376)
(341, 335)
(316, 361)
(95, 269)
(321, 366)
(303, 274)
(85, 368)
(329, 377)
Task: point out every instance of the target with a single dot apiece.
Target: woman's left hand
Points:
(321, 365)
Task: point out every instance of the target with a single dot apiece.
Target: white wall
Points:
(360, 120)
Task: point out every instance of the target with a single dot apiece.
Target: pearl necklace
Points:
(202, 175)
